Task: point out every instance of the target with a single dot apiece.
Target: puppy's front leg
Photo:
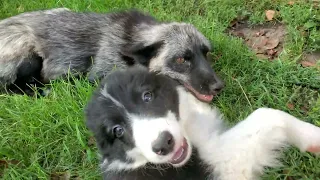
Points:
(243, 151)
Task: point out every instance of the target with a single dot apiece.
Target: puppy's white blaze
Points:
(108, 96)
(147, 129)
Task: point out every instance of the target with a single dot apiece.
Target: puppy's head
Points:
(180, 51)
(134, 116)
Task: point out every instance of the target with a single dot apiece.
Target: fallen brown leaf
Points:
(258, 43)
(272, 53)
(272, 43)
(290, 106)
(291, 2)
(270, 14)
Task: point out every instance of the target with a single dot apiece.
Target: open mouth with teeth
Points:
(203, 97)
(181, 154)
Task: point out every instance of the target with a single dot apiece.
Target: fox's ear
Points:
(142, 53)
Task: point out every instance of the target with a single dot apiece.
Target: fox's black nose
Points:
(164, 144)
(217, 86)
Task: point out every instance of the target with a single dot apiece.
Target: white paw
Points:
(309, 138)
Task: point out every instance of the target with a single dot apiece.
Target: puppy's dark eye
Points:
(180, 60)
(147, 96)
(118, 131)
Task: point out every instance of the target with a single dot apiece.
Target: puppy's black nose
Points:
(164, 144)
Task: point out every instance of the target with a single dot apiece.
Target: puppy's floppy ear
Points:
(142, 53)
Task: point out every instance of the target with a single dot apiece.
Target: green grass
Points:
(48, 135)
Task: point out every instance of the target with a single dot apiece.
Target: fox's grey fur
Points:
(94, 44)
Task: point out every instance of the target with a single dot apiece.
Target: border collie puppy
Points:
(147, 126)
(39, 46)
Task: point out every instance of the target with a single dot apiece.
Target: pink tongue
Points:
(207, 98)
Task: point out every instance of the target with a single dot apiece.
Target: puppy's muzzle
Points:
(164, 144)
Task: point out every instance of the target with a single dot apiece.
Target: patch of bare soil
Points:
(265, 40)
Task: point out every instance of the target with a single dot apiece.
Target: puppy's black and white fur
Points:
(147, 126)
(94, 44)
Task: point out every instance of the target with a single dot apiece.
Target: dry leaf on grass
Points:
(272, 52)
(257, 43)
(272, 43)
(290, 106)
(291, 2)
(270, 14)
